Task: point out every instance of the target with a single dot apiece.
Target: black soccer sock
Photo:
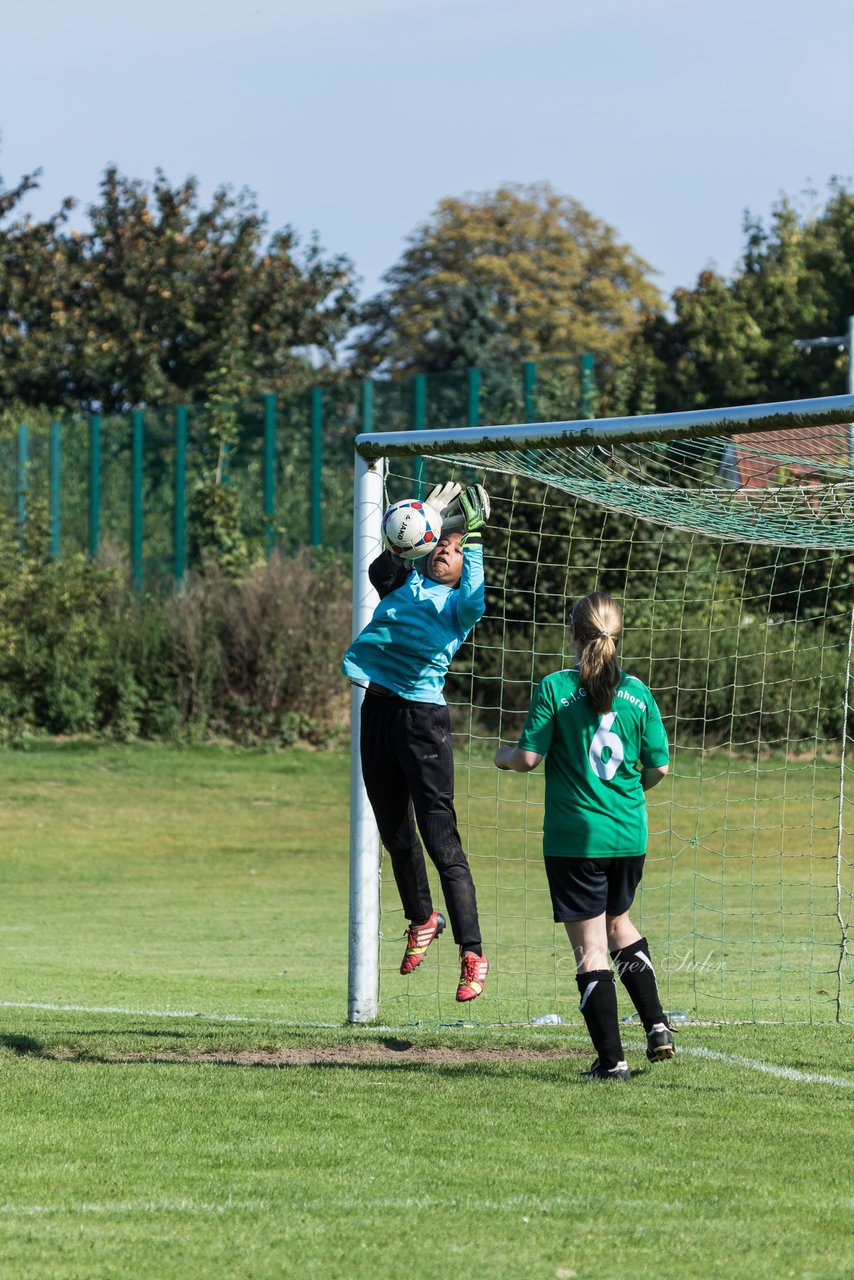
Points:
(637, 975)
(599, 1007)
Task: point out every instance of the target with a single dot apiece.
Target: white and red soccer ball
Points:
(410, 529)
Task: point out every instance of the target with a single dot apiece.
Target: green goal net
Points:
(731, 556)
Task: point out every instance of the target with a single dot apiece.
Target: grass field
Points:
(173, 922)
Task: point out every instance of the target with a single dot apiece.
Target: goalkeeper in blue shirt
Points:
(401, 658)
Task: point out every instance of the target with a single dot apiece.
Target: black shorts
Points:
(583, 888)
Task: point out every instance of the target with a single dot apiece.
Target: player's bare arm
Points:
(517, 760)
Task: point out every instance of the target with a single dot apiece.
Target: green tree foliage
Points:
(510, 274)
(35, 295)
(467, 332)
(141, 307)
(217, 536)
(706, 354)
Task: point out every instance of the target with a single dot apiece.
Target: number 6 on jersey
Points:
(605, 769)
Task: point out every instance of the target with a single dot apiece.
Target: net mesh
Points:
(788, 488)
(738, 597)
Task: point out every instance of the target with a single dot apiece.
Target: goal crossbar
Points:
(786, 415)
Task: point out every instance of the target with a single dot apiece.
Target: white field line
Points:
(459, 1028)
(130, 1206)
(695, 1051)
(769, 1068)
(530, 1204)
(169, 1013)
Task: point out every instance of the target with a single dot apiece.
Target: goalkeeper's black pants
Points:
(408, 768)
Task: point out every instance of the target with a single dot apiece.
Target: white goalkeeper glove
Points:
(442, 501)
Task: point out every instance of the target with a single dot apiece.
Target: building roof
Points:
(800, 456)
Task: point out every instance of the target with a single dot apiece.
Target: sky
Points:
(667, 119)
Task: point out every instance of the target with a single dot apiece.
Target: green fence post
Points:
(316, 466)
(269, 473)
(94, 484)
(21, 486)
(419, 422)
(367, 405)
(55, 504)
(529, 391)
(179, 546)
(136, 501)
(473, 415)
(588, 385)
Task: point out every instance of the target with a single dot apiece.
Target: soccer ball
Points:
(410, 529)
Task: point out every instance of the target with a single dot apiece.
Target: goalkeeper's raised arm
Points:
(474, 505)
(401, 658)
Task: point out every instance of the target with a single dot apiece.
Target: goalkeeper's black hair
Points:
(597, 624)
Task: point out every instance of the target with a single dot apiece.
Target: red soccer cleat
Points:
(472, 976)
(418, 939)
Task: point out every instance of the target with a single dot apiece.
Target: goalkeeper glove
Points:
(440, 499)
(474, 503)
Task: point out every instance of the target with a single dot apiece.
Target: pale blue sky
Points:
(666, 118)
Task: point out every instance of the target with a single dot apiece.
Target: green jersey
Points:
(595, 805)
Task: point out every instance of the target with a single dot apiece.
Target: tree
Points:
(141, 307)
(467, 331)
(35, 294)
(732, 341)
(512, 274)
(706, 355)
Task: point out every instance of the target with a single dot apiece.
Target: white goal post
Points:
(790, 512)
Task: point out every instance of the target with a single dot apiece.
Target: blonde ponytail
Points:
(597, 624)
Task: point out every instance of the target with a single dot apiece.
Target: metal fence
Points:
(121, 486)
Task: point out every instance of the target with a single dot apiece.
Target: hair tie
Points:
(605, 634)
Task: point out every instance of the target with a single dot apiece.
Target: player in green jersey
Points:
(604, 745)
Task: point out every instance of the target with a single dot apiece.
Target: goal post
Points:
(726, 533)
(364, 905)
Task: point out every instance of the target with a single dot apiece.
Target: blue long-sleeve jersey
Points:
(416, 629)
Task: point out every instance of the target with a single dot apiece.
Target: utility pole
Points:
(845, 342)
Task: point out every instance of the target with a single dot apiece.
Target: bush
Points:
(256, 661)
(259, 659)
